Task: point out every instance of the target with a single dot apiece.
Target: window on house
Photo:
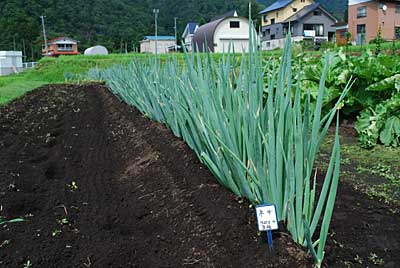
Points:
(286, 29)
(265, 18)
(268, 31)
(303, 1)
(277, 14)
(397, 8)
(342, 34)
(397, 32)
(235, 24)
(64, 47)
(272, 21)
(268, 44)
(317, 13)
(362, 12)
(361, 29)
(272, 36)
(294, 9)
(318, 28)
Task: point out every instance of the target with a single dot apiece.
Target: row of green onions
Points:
(250, 124)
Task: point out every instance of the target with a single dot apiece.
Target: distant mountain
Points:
(337, 7)
(114, 23)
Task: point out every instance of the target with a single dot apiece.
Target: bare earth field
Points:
(99, 185)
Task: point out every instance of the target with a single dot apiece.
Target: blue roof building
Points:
(190, 28)
(188, 34)
(160, 37)
(159, 44)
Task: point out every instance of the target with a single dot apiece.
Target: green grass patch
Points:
(376, 171)
(55, 70)
(14, 86)
(58, 70)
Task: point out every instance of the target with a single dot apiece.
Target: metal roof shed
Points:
(223, 33)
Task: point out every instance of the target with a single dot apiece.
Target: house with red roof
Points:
(60, 46)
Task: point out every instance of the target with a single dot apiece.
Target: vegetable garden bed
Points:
(99, 185)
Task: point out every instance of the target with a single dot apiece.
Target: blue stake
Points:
(270, 242)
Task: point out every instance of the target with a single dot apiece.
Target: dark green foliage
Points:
(374, 97)
(348, 42)
(378, 41)
(380, 123)
(117, 24)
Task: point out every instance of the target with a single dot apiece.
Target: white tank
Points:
(10, 62)
(96, 50)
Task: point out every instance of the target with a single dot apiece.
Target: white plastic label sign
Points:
(267, 218)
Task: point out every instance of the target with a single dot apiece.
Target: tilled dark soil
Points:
(99, 185)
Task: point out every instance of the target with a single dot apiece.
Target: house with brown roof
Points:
(367, 17)
(60, 46)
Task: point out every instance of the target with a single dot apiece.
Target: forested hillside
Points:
(117, 24)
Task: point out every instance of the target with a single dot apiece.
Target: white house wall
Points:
(238, 46)
(238, 36)
(278, 43)
(188, 42)
(145, 47)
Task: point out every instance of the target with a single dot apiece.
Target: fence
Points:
(27, 65)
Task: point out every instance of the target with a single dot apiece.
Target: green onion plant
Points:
(249, 125)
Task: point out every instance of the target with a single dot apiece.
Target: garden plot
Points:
(99, 185)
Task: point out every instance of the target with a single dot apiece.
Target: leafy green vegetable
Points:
(372, 96)
(392, 82)
(380, 124)
(391, 132)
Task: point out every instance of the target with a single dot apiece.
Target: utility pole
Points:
(14, 44)
(32, 53)
(156, 11)
(44, 35)
(176, 39)
(24, 49)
